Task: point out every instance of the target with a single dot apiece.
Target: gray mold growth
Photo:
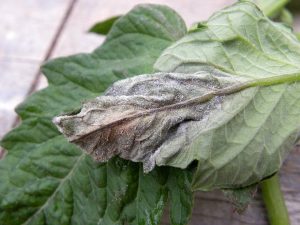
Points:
(137, 117)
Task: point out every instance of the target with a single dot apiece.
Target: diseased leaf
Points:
(45, 179)
(249, 141)
(138, 117)
(104, 27)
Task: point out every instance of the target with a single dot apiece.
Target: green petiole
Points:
(267, 81)
(274, 201)
(271, 8)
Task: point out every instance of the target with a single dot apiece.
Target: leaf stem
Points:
(266, 81)
(271, 8)
(274, 201)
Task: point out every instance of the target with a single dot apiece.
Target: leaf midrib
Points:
(196, 100)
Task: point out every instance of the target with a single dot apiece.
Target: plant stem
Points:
(274, 201)
(271, 8)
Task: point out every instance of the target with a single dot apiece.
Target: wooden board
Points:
(15, 80)
(26, 32)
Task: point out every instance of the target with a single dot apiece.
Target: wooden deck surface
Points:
(33, 31)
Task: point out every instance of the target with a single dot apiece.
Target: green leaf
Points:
(149, 118)
(246, 141)
(103, 27)
(181, 196)
(45, 179)
(137, 117)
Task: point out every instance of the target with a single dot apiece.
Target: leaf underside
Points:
(249, 140)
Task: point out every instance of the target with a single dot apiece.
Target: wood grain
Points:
(26, 32)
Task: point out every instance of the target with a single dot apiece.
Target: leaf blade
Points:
(181, 196)
(104, 26)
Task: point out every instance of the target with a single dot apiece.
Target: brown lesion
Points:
(106, 141)
(128, 118)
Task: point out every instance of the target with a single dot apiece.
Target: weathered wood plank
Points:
(28, 27)
(27, 30)
(15, 80)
